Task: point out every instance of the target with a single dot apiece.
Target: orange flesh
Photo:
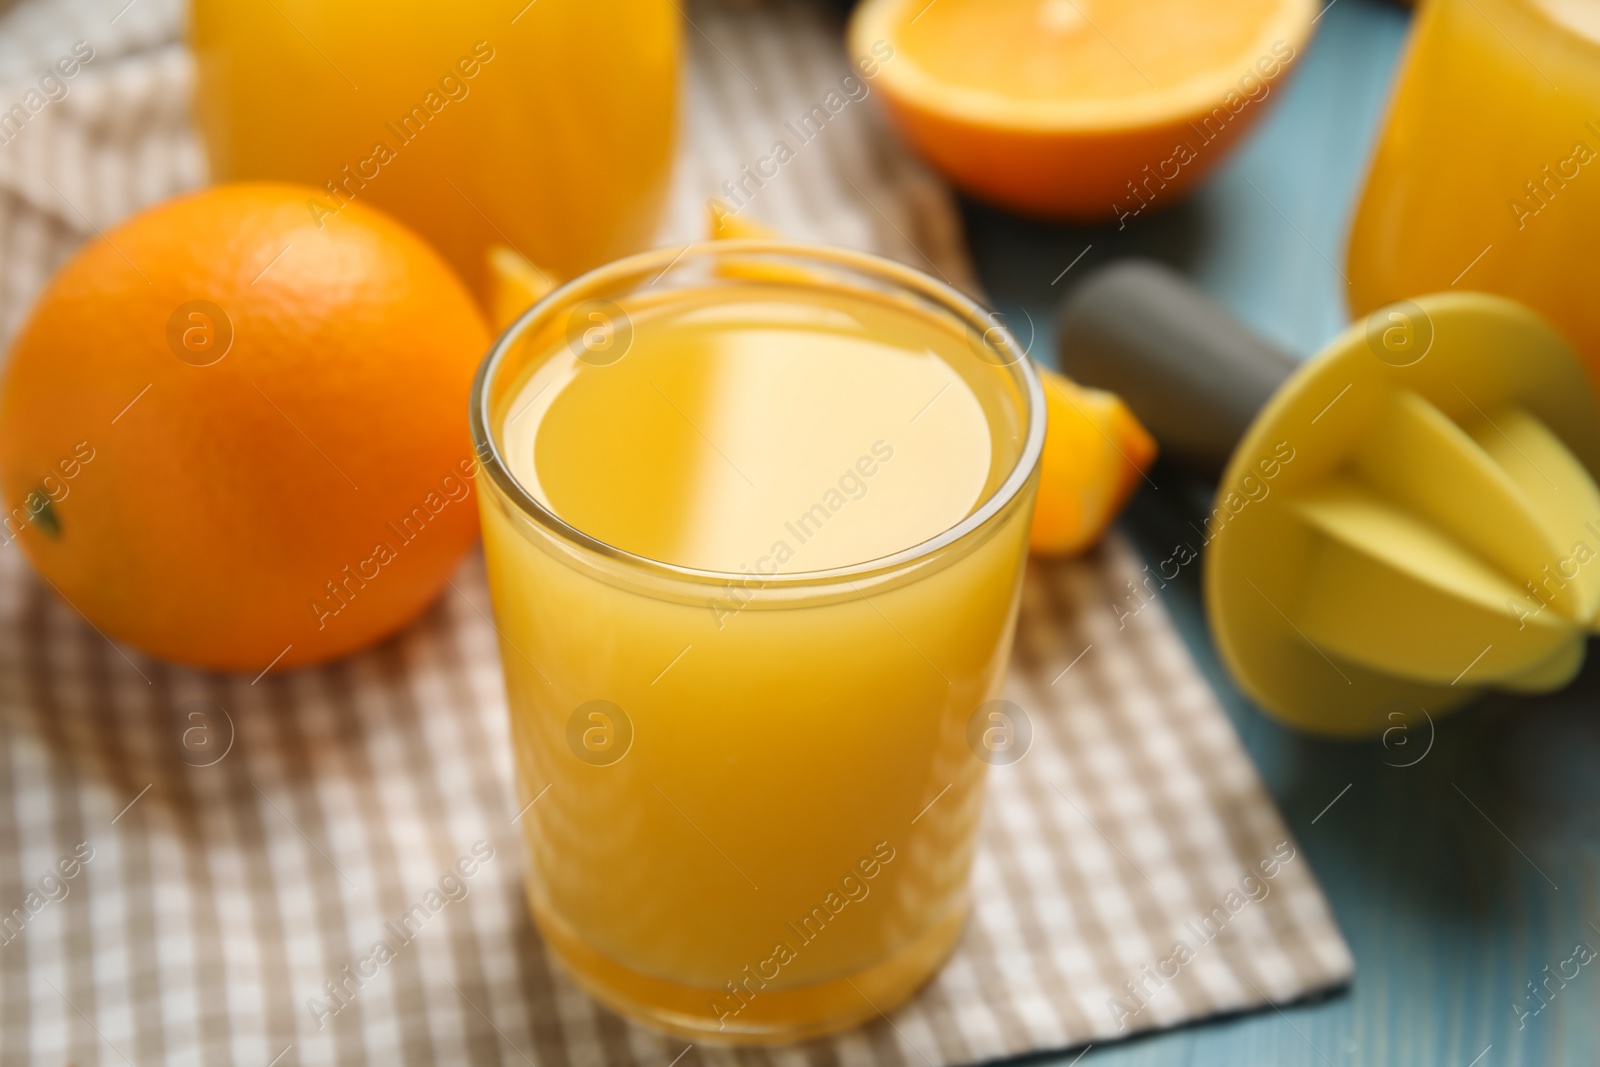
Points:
(1078, 49)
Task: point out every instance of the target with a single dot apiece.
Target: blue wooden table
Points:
(1459, 880)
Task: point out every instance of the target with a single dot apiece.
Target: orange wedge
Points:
(515, 285)
(1095, 453)
(1082, 109)
(726, 226)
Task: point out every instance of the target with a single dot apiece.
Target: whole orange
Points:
(233, 438)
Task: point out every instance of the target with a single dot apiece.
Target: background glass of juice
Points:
(547, 127)
(1487, 175)
(755, 521)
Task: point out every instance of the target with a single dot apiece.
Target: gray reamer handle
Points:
(1193, 374)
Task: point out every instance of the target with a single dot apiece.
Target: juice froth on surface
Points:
(750, 430)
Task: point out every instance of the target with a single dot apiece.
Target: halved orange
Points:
(1083, 109)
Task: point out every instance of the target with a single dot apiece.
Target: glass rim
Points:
(657, 262)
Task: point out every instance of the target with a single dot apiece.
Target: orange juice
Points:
(1486, 175)
(546, 127)
(755, 544)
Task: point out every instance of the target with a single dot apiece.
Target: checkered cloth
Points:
(186, 858)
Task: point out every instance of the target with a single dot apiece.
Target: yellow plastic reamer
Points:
(1411, 516)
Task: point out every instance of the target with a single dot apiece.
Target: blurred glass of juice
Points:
(547, 127)
(1487, 175)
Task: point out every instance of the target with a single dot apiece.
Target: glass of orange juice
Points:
(755, 520)
(546, 127)
(1486, 176)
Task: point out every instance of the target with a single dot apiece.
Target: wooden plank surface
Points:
(1460, 879)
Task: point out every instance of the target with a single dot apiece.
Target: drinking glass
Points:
(548, 130)
(755, 823)
(1485, 175)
